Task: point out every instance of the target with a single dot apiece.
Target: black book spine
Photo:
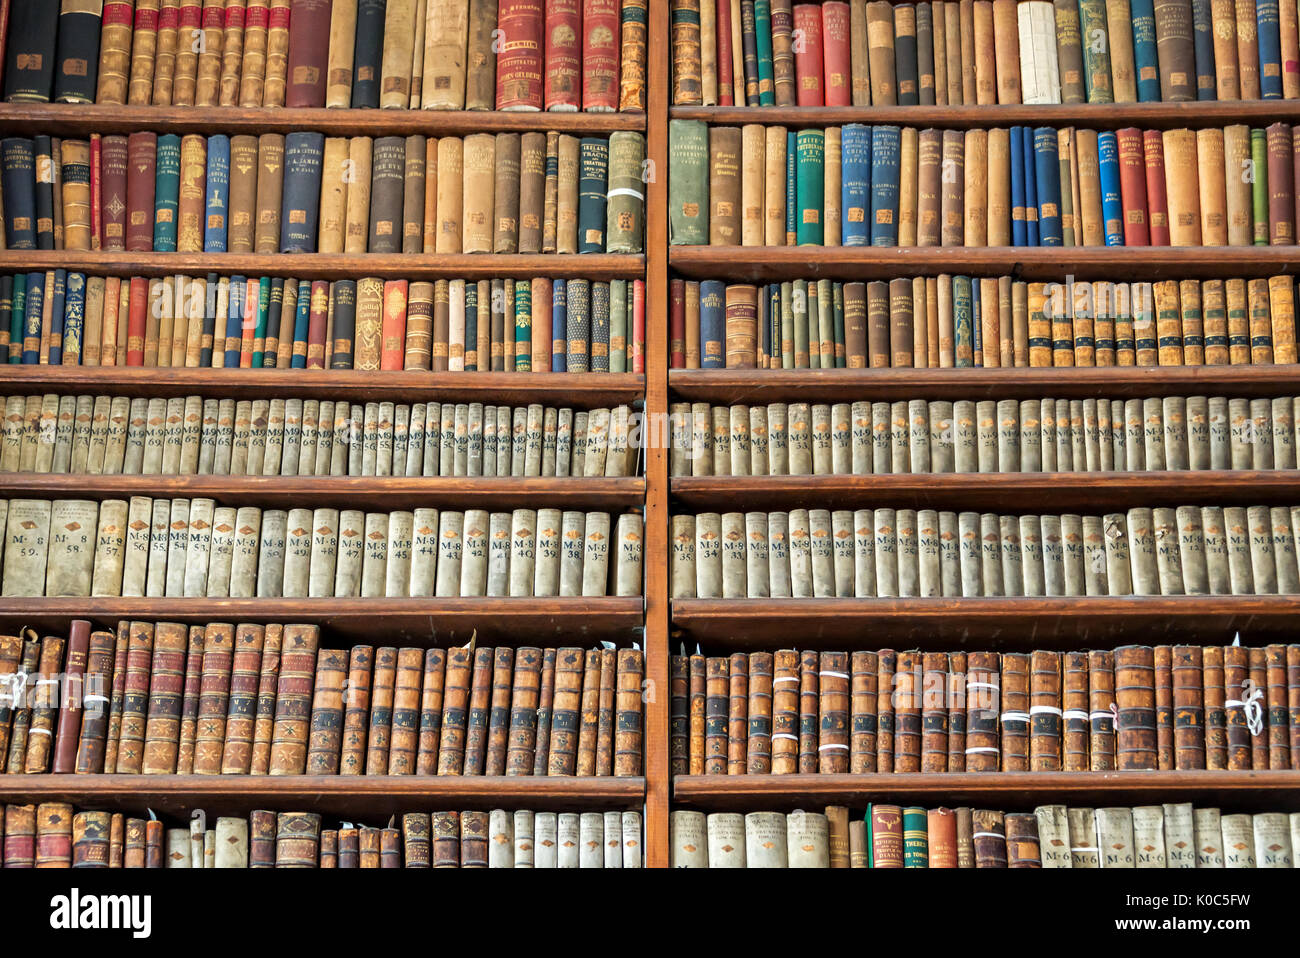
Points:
(29, 50)
(908, 82)
(304, 156)
(274, 310)
(77, 64)
(367, 56)
(44, 192)
(18, 180)
(209, 322)
(749, 51)
(387, 178)
(345, 323)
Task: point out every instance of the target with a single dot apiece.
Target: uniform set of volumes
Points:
(944, 321)
(224, 699)
(1050, 836)
(1136, 707)
(188, 436)
(1156, 434)
(976, 52)
(67, 318)
(861, 185)
(305, 193)
(55, 835)
(399, 54)
(865, 553)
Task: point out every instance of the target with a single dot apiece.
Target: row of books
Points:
(861, 185)
(188, 436)
(526, 325)
(1174, 835)
(443, 54)
(195, 548)
(860, 53)
(1155, 434)
(947, 321)
(55, 835)
(308, 193)
(1180, 707)
(166, 699)
(864, 553)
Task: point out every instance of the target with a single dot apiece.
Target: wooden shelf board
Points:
(730, 386)
(372, 798)
(1096, 116)
(1016, 491)
(83, 119)
(1004, 790)
(355, 492)
(425, 622)
(755, 264)
(506, 388)
(955, 623)
(329, 266)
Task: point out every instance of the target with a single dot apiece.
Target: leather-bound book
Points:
(1258, 728)
(297, 840)
(140, 181)
(1189, 710)
(232, 53)
(989, 839)
(447, 25)
(262, 839)
(95, 700)
(1135, 699)
(932, 696)
(955, 693)
(983, 704)
(242, 211)
(604, 758)
(114, 52)
(144, 46)
(53, 835)
(1022, 841)
(1015, 691)
(67, 730)
(1164, 707)
(404, 738)
(356, 711)
(455, 710)
(545, 707)
(907, 712)
(164, 75)
(941, 829)
(326, 727)
(1074, 702)
(562, 86)
(413, 193)
(382, 691)
(885, 836)
(524, 695)
(293, 700)
(233, 751)
(1216, 728)
(633, 42)
(166, 682)
(189, 40)
(214, 699)
(520, 56)
(808, 712)
(588, 716)
(90, 834)
(1045, 712)
(309, 35)
(1278, 739)
(19, 836)
(716, 716)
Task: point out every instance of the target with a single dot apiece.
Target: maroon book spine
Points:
(142, 151)
(113, 201)
(68, 732)
(309, 41)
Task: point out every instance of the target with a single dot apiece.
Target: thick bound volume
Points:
(519, 57)
(688, 159)
(29, 52)
(77, 62)
(600, 54)
(167, 185)
(303, 160)
(309, 41)
(593, 166)
(18, 182)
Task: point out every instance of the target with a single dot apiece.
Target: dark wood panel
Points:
(1095, 492)
(371, 798)
(370, 492)
(852, 385)
(83, 119)
(1005, 623)
(596, 266)
(425, 622)
(508, 388)
(1010, 791)
(766, 264)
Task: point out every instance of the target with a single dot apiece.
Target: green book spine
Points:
(1096, 52)
(263, 311)
(1259, 185)
(17, 316)
(688, 172)
(962, 324)
(763, 34)
(810, 148)
(787, 326)
(620, 306)
(916, 846)
(167, 189)
(799, 312)
(826, 323)
(789, 189)
(625, 207)
(523, 326)
(841, 354)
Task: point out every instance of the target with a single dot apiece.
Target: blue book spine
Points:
(1047, 175)
(32, 318)
(1268, 36)
(599, 327)
(855, 187)
(962, 338)
(57, 304)
(1019, 235)
(713, 324)
(235, 321)
(18, 318)
(301, 326)
(1031, 188)
(74, 319)
(1112, 209)
(559, 321)
(791, 194)
(1203, 50)
(218, 195)
(885, 147)
(18, 176)
(1143, 15)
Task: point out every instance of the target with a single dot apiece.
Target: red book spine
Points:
(677, 324)
(68, 731)
(392, 351)
(252, 292)
(725, 97)
(638, 326)
(309, 42)
(113, 206)
(96, 192)
(563, 55)
(317, 319)
(214, 17)
(600, 53)
(146, 20)
(836, 85)
(135, 321)
(808, 55)
(519, 61)
(141, 161)
(1157, 198)
(1133, 187)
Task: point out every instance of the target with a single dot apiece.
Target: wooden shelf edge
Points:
(732, 386)
(330, 266)
(84, 119)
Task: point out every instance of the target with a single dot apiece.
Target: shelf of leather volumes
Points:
(1020, 624)
(420, 622)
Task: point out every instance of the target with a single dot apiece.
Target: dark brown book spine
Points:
(679, 722)
(293, 701)
(1236, 673)
(404, 740)
(326, 729)
(737, 712)
(297, 835)
(1101, 711)
(268, 685)
(480, 701)
(1022, 841)
(566, 712)
(356, 711)
(833, 708)
(116, 840)
(117, 697)
(934, 712)
(446, 839)
(983, 701)
(1074, 701)
(628, 734)
(524, 696)
(382, 691)
(194, 665)
(349, 848)
(329, 848)
(154, 853)
(863, 694)
(54, 835)
(90, 835)
(605, 713)
(1279, 746)
(699, 714)
(214, 698)
(390, 848)
(1216, 718)
(166, 684)
(431, 700)
(1293, 701)
(95, 702)
(1045, 712)
(1164, 678)
(907, 713)
(503, 664)
(1189, 708)
(758, 714)
(413, 192)
(989, 839)
(68, 729)
(809, 712)
(133, 850)
(1259, 728)
(715, 716)
(417, 848)
(956, 692)
(545, 708)
(44, 707)
(261, 839)
(473, 839)
(1135, 699)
